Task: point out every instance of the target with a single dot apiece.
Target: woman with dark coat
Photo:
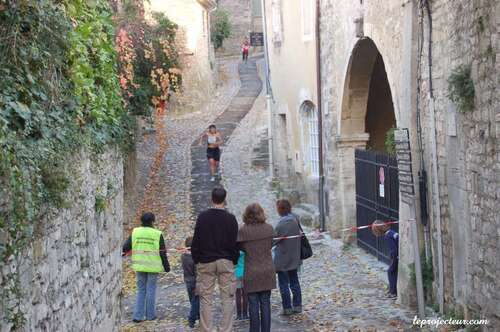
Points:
(287, 258)
(255, 238)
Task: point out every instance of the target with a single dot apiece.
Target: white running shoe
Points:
(212, 178)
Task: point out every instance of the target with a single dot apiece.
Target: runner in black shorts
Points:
(214, 141)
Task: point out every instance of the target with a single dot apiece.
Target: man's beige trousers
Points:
(221, 270)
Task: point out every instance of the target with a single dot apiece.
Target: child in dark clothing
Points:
(379, 228)
(189, 270)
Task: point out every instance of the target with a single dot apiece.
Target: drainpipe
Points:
(320, 120)
(268, 93)
(435, 182)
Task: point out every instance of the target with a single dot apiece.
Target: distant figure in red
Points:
(244, 50)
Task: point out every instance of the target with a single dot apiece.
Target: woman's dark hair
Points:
(147, 219)
(219, 195)
(212, 126)
(284, 207)
(254, 214)
(188, 242)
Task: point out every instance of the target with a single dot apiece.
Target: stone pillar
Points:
(346, 145)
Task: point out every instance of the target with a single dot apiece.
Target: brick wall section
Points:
(71, 272)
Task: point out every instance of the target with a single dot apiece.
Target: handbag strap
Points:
(298, 222)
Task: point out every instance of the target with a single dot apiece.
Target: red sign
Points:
(381, 175)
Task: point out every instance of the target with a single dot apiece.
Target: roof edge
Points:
(208, 4)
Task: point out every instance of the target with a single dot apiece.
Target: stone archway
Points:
(367, 114)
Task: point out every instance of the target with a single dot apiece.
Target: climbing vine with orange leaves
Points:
(149, 60)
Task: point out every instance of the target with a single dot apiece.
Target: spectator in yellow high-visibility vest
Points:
(149, 258)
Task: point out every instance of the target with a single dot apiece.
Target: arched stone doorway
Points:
(366, 116)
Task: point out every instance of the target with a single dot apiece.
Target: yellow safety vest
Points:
(145, 250)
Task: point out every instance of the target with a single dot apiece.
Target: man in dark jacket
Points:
(148, 259)
(215, 251)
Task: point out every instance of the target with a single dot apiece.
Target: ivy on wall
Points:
(59, 92)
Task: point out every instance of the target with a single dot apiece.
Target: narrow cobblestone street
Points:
(374, 125)
(343, 287)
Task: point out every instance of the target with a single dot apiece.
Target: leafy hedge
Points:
(59, 91)
(149, 66)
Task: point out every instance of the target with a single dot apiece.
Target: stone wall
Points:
(466, 33)
(240, 16)
(71, 271)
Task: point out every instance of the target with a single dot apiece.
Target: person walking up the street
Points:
(189, 271)
(214, 141)
(215, 253)
(255, 238)
(149, 258)
(287, 258)
(245, 49)
(241, 296)
(379, 228)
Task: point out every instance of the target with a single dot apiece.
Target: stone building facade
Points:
(464, 33)
(70, 273)
(292, 61)
(195, 47)
(375, 76)
(363, 51)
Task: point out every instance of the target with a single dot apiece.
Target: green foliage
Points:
(102, 200)
(427, 274)
(461, 88)
(390, 145)
(157, 51)
(100, 203)
(92, 62)
(59, 92)
(480, 24)
(154, 48)
(221, 27)
(55, 183)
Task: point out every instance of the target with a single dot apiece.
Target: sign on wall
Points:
(381, 186)
(405, 174)
(256, 39)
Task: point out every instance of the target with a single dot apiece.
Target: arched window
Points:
(309, 118)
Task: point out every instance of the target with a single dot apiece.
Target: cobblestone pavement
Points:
(343, 287)
(251, 87)
(245, 163)
(172, 184)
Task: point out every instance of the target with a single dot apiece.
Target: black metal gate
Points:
(375, 200)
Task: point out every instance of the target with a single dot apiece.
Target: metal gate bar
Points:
(370, 205)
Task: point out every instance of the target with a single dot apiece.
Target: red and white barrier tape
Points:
(313, 235)
(354, 229)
